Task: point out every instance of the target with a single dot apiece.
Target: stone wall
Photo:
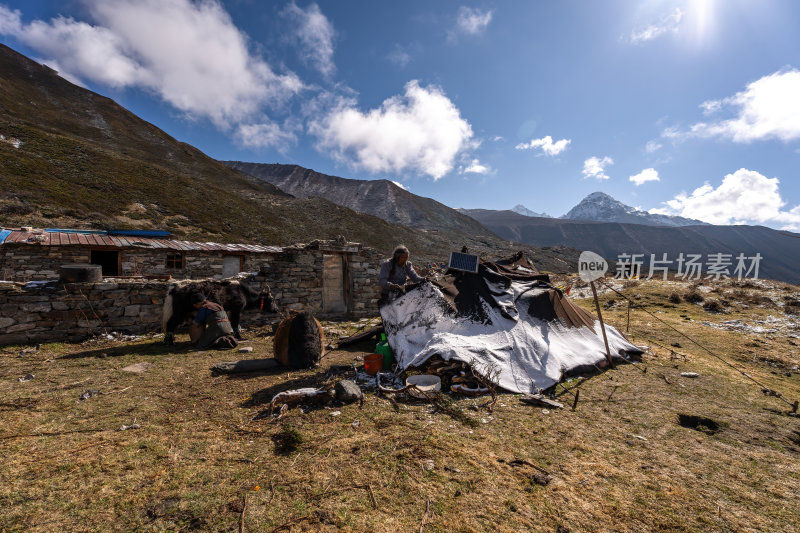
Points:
(28, 262)
(295, 278)
(47, 311)
(364, 268)
(39, 312)
(31, 262)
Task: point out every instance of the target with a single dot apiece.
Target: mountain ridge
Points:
(778, 249)
(381, 197)
(522, 210)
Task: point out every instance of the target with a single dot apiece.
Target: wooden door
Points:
(231, 265)
(333, 284)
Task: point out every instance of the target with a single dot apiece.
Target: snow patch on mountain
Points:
(522, 210)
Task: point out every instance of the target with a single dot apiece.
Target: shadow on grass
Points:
(317, 380)
(322, 375)
(150, 348)
(243, 376)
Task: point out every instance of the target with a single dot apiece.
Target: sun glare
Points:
(700, 18)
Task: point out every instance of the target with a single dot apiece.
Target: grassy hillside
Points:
(205, 458)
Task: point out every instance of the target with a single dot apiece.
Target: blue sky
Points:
(684, 107)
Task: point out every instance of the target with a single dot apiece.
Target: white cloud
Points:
(264, 135)
(745, 196)
(711, 106)
(498, 138)
(420, 131)
(400, 185)
(769, 108)
(594, 167)
(10, 21)
(652, 147)
(648, 174)
(668, 23)
(471, 21)
(546, 144)
(475, 167)
(82, 50)
(315, 34)
(399, 56)
(189, 53)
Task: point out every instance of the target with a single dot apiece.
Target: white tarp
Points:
(529, 353)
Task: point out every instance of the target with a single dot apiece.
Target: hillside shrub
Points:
(694, 297)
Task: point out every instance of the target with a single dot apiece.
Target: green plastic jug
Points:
(385, 350)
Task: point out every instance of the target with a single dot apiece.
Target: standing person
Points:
(211, 326)
(396, 270)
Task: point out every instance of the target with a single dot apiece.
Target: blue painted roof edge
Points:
(81, 231)
(3, 234)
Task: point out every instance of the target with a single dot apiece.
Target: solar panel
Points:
(465, 262)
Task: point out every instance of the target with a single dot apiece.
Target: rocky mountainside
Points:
(381, 198)
(70, 157)
(601, 207)
(780, 251)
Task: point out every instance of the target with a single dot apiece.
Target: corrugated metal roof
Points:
(66, 238)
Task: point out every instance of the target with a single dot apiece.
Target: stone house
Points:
(35, 254)
(328, 278)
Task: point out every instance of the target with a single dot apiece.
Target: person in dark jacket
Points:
(210, 325)
(396, 270)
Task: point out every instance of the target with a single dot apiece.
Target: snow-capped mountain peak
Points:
(600, 207)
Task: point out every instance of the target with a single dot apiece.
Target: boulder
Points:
(347, 391)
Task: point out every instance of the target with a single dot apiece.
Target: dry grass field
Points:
(202, 459)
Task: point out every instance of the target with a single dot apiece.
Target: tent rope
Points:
(764, 388)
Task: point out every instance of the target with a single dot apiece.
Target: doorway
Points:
(107, 259)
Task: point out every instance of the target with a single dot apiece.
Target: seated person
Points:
(211, 326)
(396, 270)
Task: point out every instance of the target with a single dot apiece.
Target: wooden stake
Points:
(425, 516)
(628, 323)
(602, 325)
(241, 517)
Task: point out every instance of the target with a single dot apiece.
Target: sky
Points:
(687, 108)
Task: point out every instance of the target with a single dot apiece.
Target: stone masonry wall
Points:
(30, 262)
(364, 268)
(294, 277)
(37, 312)
(46, 311)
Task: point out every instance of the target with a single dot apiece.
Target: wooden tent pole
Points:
(602, 325)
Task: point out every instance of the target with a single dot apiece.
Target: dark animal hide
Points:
(233, 296)
(299, 341)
